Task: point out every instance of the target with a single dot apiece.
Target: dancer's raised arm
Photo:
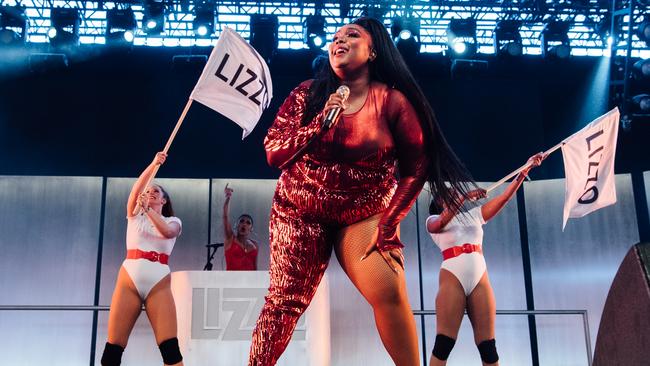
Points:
(140, 185)
(492, 207)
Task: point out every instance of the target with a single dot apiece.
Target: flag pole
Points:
(507, 177)
(178, 125)
(169, 143)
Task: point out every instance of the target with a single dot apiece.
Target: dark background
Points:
(109, 111)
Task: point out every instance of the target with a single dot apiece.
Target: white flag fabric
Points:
(589, 167)
(235, 82)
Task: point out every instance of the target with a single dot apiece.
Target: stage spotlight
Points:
(604, 30)
(120, 26)
(555, 40)
(643, 30)
(641, 103)
(264, 34)
(13, 26)
(204, 18)
(461, 37)
(406, 35)
(641, 69)
(64, 31)
(313, 29)
(153, 21)
(459, 46)
(507, 39)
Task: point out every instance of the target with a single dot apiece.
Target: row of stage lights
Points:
(121, 23)
(121, 26)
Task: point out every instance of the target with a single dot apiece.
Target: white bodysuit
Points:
(142, 234)
(463, 229)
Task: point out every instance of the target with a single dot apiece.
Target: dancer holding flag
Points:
(463, 280)
(236, 83)
(338, 187)
(144, 277)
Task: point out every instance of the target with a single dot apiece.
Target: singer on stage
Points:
(240, 250)
(342, 191)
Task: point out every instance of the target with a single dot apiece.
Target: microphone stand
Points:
(212, 250)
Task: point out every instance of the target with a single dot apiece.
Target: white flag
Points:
(589, 167)
(235, 82)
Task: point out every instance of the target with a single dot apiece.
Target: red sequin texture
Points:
(347, 175)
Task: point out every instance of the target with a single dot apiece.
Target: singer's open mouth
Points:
(340, 51)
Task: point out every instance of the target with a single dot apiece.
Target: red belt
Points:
(460, 249)
(152, 256)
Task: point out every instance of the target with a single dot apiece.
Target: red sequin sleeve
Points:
(286, 135)
(412, 164)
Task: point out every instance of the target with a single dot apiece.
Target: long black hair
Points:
(389, 68)
(167, 209)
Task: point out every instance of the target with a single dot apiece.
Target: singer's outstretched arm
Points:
(286, 136)
(412, 164)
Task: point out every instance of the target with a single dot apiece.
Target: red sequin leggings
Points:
(300, 252)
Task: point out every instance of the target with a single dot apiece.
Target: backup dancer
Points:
(463, 281)
(144, 277)
(239, 249)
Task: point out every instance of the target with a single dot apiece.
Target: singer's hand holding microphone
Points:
(335, 105)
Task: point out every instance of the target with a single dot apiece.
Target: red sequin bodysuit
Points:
(347, 175)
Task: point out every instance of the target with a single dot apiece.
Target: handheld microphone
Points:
(333, 113)
(215, 245)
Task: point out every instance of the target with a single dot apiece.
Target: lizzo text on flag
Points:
(235, 82)
(589, 167)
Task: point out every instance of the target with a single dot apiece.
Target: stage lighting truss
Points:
(121, 26)
(13, 26)
(434, 17)
(629, 81)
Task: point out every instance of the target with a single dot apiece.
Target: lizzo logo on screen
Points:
(229, 314)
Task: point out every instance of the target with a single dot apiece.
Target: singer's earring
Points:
(373, 55)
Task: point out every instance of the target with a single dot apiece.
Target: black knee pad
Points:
(170, 352)
(443, 346)
(112, 355)
(488, 351)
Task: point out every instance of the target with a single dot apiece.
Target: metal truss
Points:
(622, 82)
(585, 16)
